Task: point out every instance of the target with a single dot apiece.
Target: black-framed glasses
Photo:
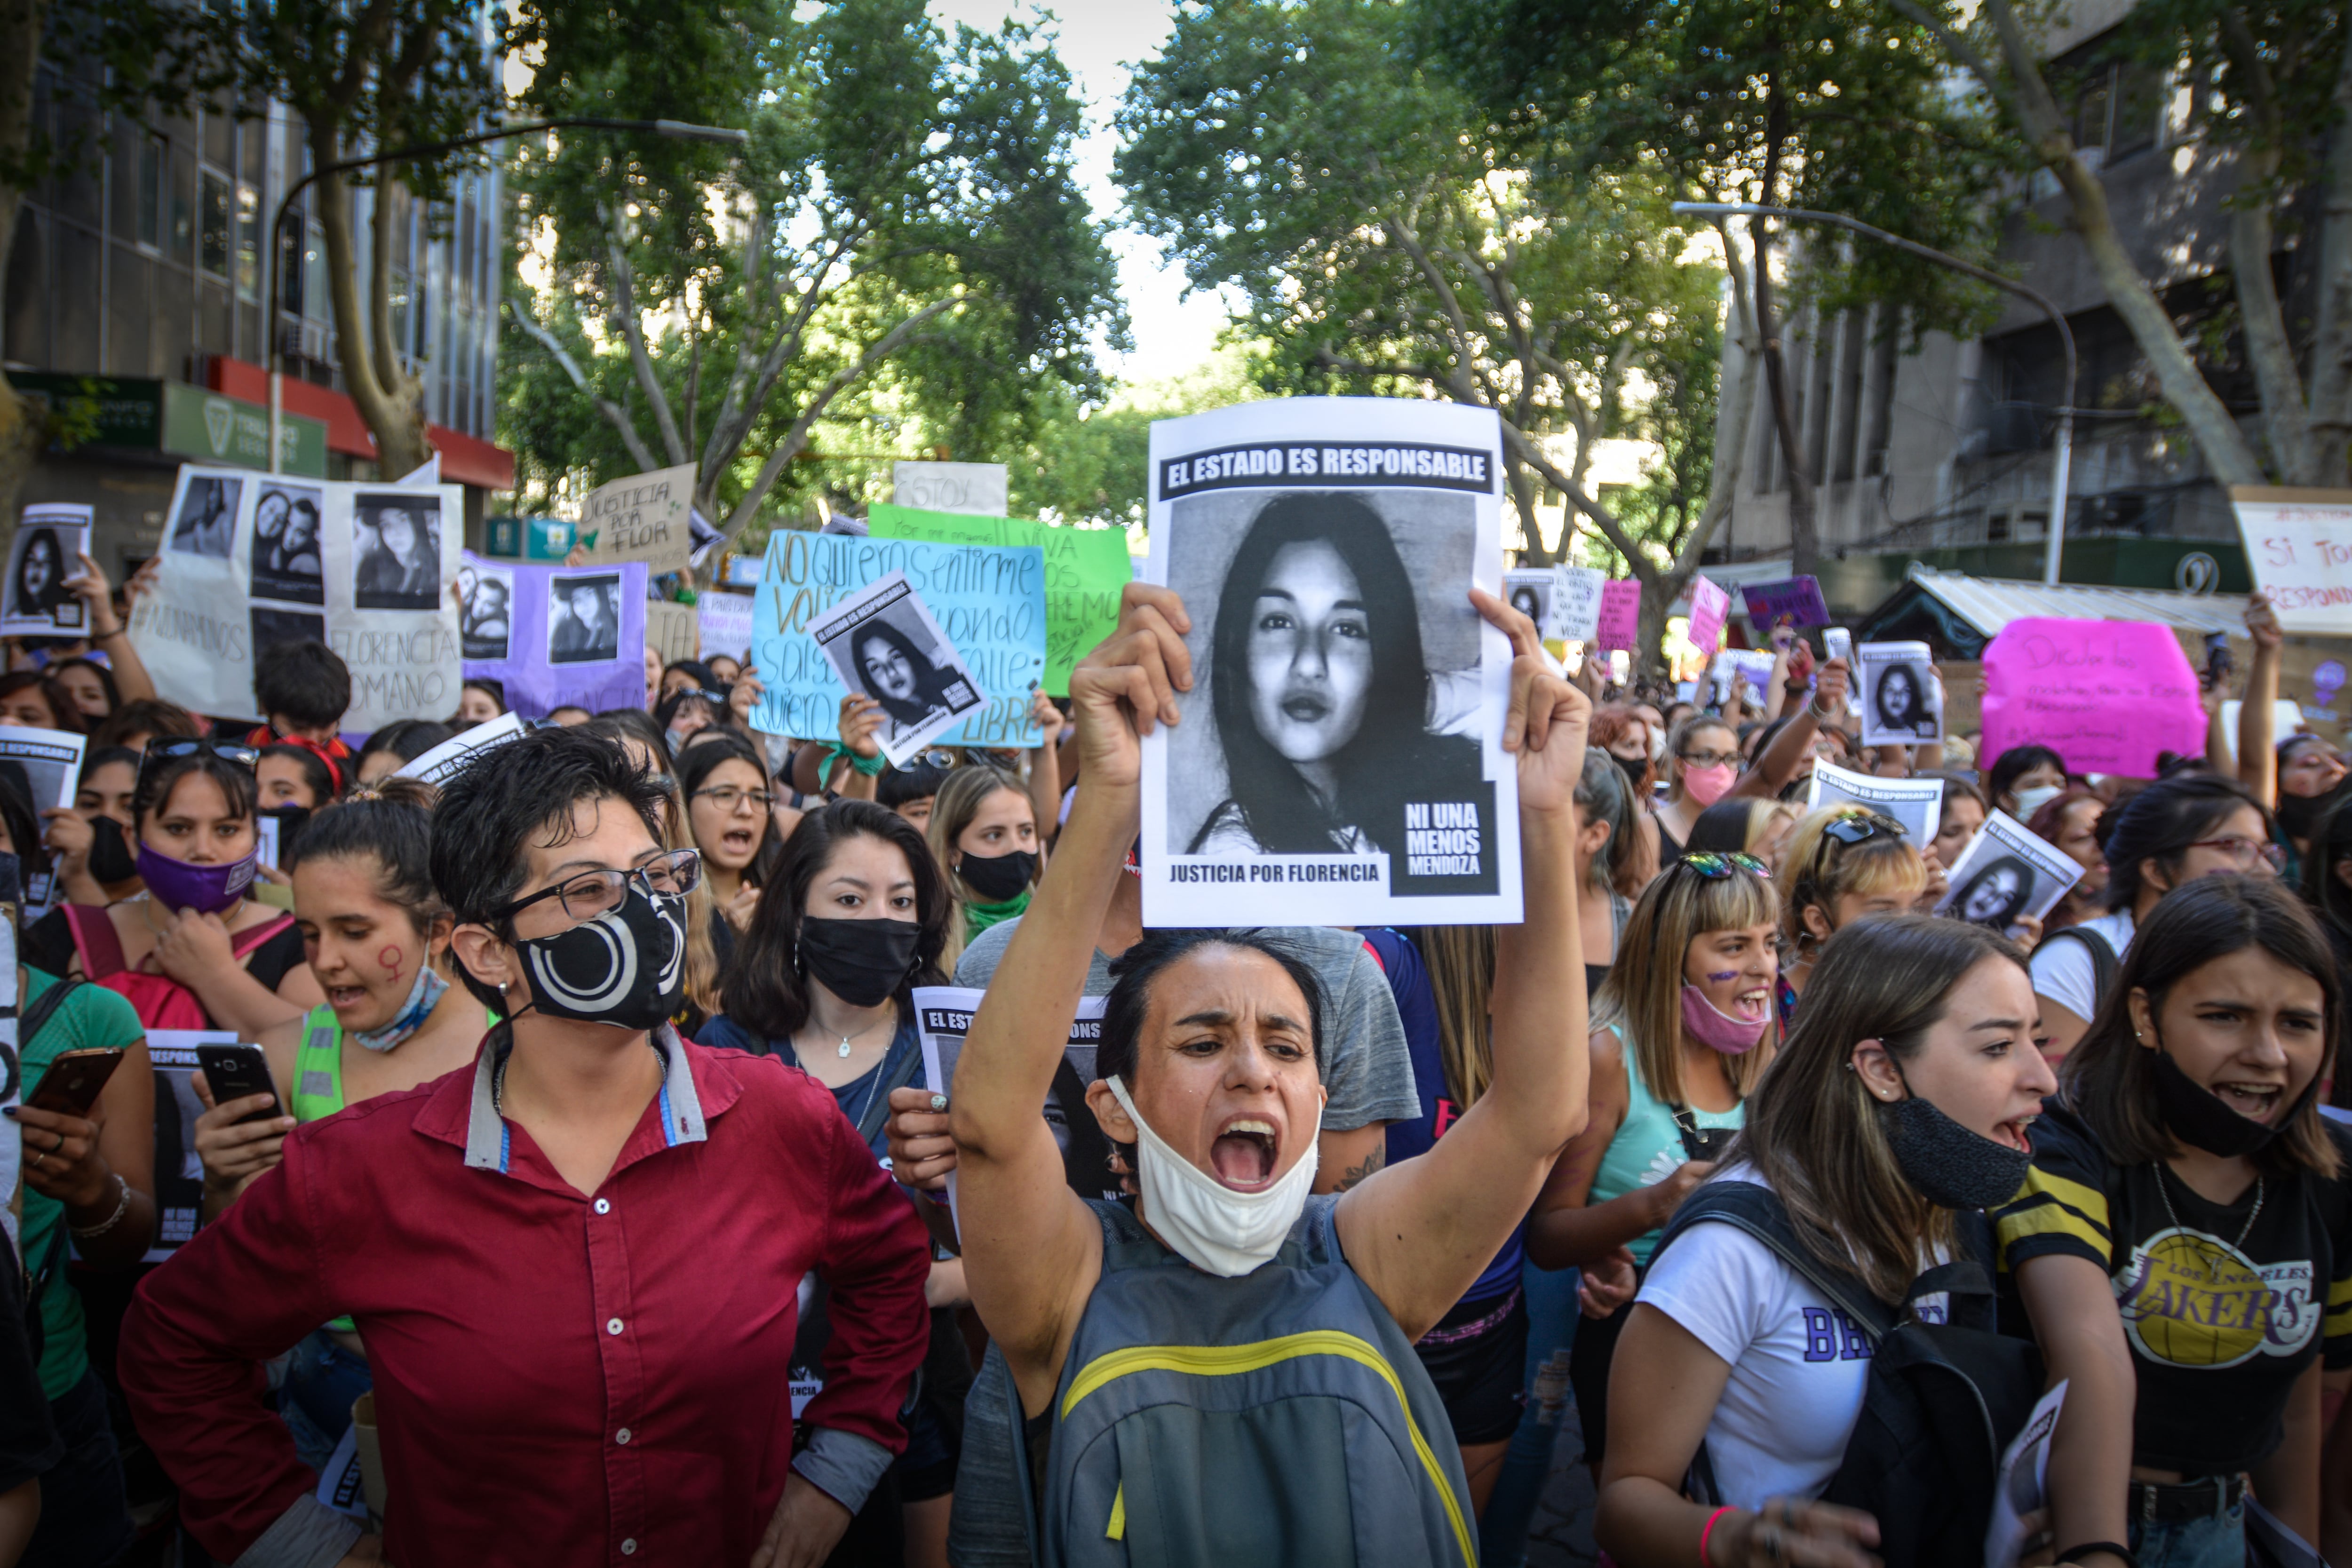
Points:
(1862, 827)
(1710, 759)
(588, 894)
(161, 749)
(1719, 864)
(727, 797)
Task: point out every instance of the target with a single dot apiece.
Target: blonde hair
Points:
(1461, 965)
(1818, 869)
(1643, 997)
(702, 976)
(967, 789)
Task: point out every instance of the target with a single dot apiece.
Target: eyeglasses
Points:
(1712, 863)
(1860, 827)
(727, 797)
(2243, 852)
(1710, 759)
(592, 893)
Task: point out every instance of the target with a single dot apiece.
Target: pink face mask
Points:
(1706, 786)
(1718, 1030)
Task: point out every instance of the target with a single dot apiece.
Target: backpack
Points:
(162, 1002)
(1942, 1401)
(2105, 964)
(1280, 1417)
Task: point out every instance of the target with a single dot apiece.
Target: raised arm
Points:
(2257, 762)
(131, 681)
(1776, 764)
(1420, 1232)
(1031, 1249)
(1045, 769)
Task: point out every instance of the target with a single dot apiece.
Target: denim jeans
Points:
(1526, 1465)
(315, 1401)
(2215, 1541)
(84, 1518)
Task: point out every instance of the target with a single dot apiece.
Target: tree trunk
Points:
(389, 400)
(1523, 496)
(1804, 544)
(23, 428)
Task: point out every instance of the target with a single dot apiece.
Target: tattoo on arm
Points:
(1374, 1157)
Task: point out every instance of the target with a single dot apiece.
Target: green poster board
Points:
(1086, 569)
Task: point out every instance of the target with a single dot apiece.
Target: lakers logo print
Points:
(2194, 1299)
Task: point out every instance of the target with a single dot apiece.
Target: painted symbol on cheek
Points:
(1726, 974)
(388, 956)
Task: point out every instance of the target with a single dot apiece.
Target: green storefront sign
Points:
(532, 538)
(172, 416)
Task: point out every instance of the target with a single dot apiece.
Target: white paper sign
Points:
(1340, 759)
(2299, 545)
(975, 489)
(2024, 1484)
(253, 560)
(442, 763)
(944, 1015)
(643, 518)
(726, 622)
(1901, 701)
(52, 763)
(1917, 803)
(2006, 873)
(1578, 602)
(883, 640)
(46, 554)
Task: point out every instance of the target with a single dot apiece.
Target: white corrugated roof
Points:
(1989, 604)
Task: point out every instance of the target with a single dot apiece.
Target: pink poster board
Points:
(2107, 696)
(1709, 605)
(1621, 615)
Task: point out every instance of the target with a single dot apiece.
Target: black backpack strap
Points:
(2105, 964)
(1758, 1211)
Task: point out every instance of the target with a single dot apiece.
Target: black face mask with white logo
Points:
(626, 967)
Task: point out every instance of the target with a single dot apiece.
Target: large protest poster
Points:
(1339, 756)
(1619, 623)
(1917, 803)
(645, 517)
(179, 1173)
(1577, 613)
(50, 762)
(989, 602)
(1902, 698)
(1710, 604)
(885, 639)
(242, 572)
(47, 553)
(555, 637)
(976, 488)
(1797, 600)
(1085, 570)
(2006, 874)
(944, 1015)
(2107, 696)
(2299, 545)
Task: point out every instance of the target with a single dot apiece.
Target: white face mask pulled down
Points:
(1214, 1228)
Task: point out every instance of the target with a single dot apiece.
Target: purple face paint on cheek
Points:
(1726, 974)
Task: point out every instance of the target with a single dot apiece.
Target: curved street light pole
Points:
(677, 129)
(2047, 306)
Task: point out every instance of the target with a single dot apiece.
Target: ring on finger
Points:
(39, 1155)
(59, 1146)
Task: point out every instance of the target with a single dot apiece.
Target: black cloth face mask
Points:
(111, 860)
(626, 967)
(1947, 1164)
(1634, 767)
(2198, 1117)
(998, 878)
(863, 962)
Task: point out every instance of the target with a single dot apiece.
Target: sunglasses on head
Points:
(1716, 864)
(163, 748)
(1860, 827)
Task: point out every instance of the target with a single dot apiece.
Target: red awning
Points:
(465, 459)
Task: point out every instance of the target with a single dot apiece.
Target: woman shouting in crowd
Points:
(1158, 1354)
(663, 1203)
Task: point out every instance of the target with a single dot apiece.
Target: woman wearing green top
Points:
(377, 938)
(1678, 1049)
(984, 830)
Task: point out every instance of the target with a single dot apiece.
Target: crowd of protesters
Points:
(593, 1177)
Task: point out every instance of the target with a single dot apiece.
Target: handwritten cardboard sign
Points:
(1576, 605)
(1619, 623)
(2107, 696)
(988, 601)
(1086, 571)
(1797, 598)
(1709, 605)
(645, 518)
(2299, 543)
(974, 488)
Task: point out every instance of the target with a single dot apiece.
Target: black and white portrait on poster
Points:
(1917, 803)
(2006, 874)
(206, 522)
(288, 548)
(884, 644)
(1339, 754)
(1902, 702)
(583, 618)
(1535, 594)
(396, 552)
(49, 544)
(46, 764)
(485, 611)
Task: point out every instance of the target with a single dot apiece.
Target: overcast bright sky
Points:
(1100, 38)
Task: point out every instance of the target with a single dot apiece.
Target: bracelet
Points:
(123, 1206)
(2073, 1553)
(1814, 710)
(1708, 1529)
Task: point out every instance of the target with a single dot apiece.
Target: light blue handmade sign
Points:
(988, 601)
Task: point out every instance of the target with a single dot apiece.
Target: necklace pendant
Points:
(844, 1051)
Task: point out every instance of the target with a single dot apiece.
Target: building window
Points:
(154, 155)
(249, 243)
(180, 228)
(212, 224)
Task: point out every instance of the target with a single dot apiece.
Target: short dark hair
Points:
(900, 787)
(391, 822)
(105, 677)
(569, 707)
(156, 783)
(145, 716)
(496, 689)
(2108, 1078)
(2161, 822)
(1133, 972)
(407, 739)
(635, 723)
(2015, 763)
(61, 704)
(766, 991)
(306, 680)
(503, 797)
(105, 757)
(314, 771)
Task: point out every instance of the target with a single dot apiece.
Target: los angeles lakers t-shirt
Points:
(2223, 1306)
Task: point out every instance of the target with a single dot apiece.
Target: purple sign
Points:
(1709, 605)
(1797, 598)
(554, 636)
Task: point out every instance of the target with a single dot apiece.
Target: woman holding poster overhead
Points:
(1226, 1281)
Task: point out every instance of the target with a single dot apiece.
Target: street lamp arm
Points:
(2035, 296)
